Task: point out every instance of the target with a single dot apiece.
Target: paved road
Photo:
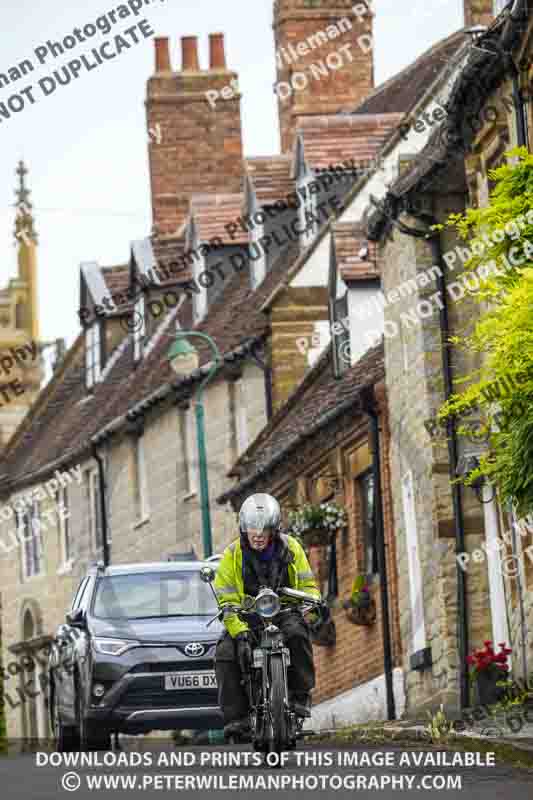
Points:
(317, 771)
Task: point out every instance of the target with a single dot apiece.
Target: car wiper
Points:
(163, 616)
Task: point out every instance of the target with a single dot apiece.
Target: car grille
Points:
(174, 666)
(149, 690)
(159, 698)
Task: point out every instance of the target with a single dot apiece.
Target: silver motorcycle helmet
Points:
(260, 511)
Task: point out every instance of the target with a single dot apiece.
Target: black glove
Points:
(244, 652)
(325, 612)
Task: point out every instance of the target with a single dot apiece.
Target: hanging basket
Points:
(316, 537)
(361, 614)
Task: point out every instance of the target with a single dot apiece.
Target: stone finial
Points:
(24, 222)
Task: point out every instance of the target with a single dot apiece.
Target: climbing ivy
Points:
(500, 240)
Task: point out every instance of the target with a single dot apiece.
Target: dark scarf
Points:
(267, 568)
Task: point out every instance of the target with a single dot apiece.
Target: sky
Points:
(86, 144)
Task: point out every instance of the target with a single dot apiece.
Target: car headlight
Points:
(267, 603)
(113, 647)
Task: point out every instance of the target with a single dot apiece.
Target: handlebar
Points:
(308, 603)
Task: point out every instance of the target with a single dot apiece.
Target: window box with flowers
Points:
(360, 607)
(488, 669)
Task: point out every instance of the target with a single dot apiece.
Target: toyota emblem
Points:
(194, 649)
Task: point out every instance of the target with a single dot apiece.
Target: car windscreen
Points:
(153, 594)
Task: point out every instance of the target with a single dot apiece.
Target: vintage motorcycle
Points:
(274, 725)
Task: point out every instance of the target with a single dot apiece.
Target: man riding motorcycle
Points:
(262, 556)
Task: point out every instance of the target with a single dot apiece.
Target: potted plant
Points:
(488, 669)
(360, 596)
(361, 608)
(314, 525)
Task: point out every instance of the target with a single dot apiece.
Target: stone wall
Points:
(415, 383)
(293, 316)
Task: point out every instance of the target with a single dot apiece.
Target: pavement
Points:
(319, 769)
(509, 733)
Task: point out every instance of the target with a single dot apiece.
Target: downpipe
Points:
(458, 516)
(369, 407)
(103, 507)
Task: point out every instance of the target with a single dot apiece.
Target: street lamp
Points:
(184, 359)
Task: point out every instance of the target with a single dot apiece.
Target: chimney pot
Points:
(217, 56)
(162, 55)
(189, 53)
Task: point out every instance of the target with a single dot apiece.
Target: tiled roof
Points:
(307, 409)
(334, 140)
(64, 418)
(350, 240)
(401, 92)
(167, 252)
(117, 278)
(271, 177)
(213, 212)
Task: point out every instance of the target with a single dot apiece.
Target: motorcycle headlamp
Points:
(267, 603)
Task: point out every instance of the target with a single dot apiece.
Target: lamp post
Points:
(183, 358)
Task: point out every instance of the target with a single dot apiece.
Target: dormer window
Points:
(199, 297)
(257, 257)
(139, 328)
(93, 359)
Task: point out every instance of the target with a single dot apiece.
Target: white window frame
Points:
(418, 623)
(32, 547)
(199, 299)
(258, 267)
(92, 354)
(65, 543)
(139, 333)
(241, 419)
(238, 430)
(190, 450)
(92, 492)
(142, 507)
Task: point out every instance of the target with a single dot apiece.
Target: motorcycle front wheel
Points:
(277, 704)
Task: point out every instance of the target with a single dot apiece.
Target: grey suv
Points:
(135, 655)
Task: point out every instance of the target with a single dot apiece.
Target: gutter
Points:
(477, 80)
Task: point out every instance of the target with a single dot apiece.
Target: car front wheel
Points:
(66, 737)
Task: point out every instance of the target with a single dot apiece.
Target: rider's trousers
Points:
(301, 673)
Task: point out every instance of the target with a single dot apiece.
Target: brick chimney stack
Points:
(478, 12)
(325, 79)
(162, 55)
(189, 54)
(217, 56)
(194, 146)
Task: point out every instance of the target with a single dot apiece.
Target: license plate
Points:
(190, 680)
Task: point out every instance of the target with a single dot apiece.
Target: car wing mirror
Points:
(76, 618)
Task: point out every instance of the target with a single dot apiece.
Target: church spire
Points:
(24, 222)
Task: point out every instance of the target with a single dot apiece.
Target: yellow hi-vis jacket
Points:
(229, 583)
